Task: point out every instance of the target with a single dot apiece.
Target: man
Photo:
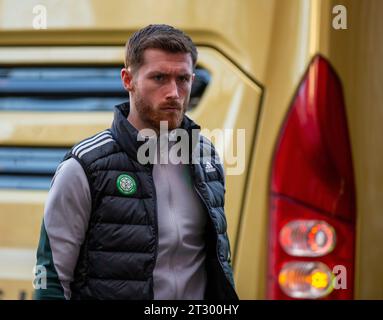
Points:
(117, 228)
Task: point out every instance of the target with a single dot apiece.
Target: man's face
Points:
(160, 89)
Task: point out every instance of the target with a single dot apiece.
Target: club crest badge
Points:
(126, 184)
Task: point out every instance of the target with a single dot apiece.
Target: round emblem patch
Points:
(126, 184)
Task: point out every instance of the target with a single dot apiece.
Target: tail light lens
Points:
(312, 198)
(307, 238)
(309, 280)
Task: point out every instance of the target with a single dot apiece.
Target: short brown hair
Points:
(157, 36)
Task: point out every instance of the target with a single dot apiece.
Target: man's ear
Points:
(127, 79)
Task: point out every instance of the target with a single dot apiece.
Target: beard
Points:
(152, 115)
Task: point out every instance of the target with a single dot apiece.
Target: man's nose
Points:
(172, 90)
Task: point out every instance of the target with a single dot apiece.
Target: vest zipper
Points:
(155, 230)
(216, 245)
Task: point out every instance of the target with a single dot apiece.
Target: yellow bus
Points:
(300, 77)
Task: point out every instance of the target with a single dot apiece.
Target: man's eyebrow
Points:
(182, 73)
(156, 72)
(186, 74)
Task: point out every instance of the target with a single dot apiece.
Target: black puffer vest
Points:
(119, 253)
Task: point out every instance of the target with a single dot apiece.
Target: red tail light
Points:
(312, 191)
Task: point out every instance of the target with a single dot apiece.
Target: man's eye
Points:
(183, 79)
(159, 77)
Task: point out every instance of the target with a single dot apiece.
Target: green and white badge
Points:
(126, 184)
